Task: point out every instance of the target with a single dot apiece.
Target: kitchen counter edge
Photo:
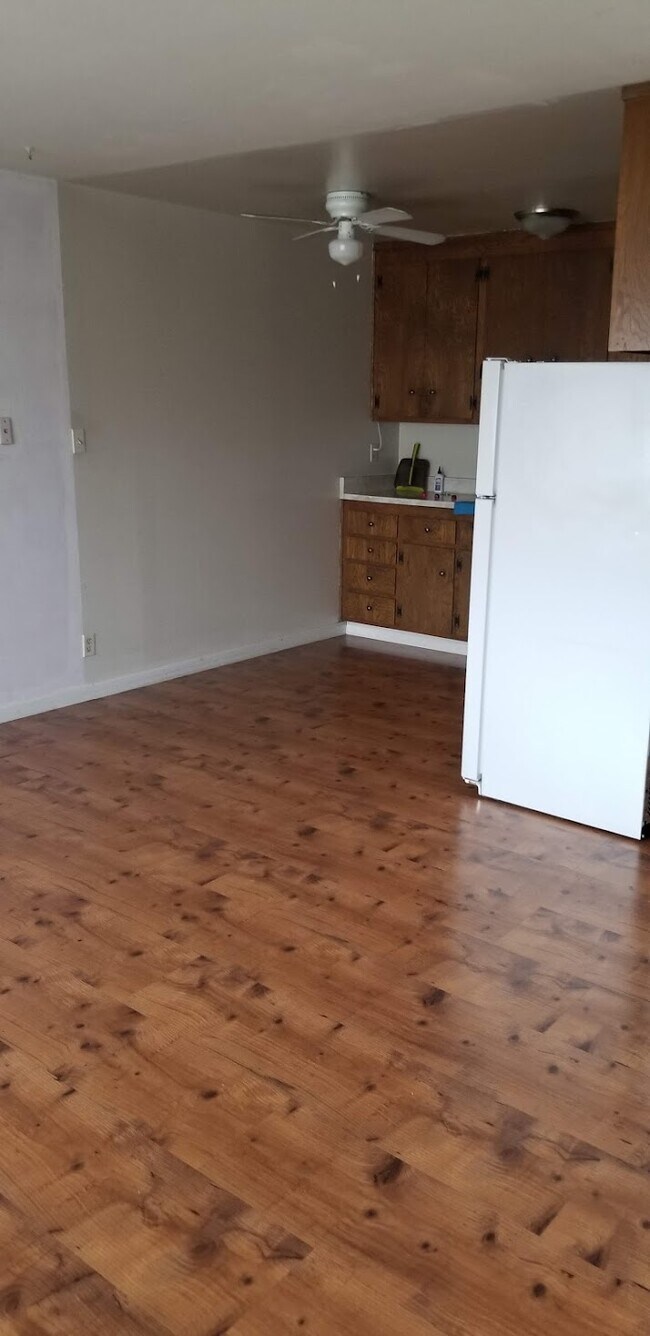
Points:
(399, 500)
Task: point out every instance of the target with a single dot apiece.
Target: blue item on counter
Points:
(463, 507)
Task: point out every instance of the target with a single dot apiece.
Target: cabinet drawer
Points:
(367, 608)
(424, 527)
(369, 579)
(377, 551)
(376, 523)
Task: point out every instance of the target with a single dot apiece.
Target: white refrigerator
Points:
(557, 701)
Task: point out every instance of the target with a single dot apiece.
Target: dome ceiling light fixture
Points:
(546, 223)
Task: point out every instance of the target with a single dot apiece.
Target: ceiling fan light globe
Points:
(345, 250)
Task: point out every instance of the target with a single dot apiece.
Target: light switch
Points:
(78, 437)
(6, 431)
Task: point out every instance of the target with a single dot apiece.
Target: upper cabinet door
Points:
(399, 336)
(546, 306)
(452, 313)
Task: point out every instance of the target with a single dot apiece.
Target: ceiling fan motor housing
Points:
(346, 203)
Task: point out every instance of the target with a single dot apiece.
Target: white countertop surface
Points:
(392, 500)
(380, 490)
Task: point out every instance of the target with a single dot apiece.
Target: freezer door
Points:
(565, 657)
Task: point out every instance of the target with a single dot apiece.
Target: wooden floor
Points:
(298, 1036)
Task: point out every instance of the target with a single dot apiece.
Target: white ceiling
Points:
(100, 87)
(463, 175)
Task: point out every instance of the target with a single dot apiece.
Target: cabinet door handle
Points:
(371, 524)
(400, 558)
(368, 607)
(459, 563)
(431, 391)
(427, 528)
(412, 391)
(398, 610)
(369, 578)
(370, 551)
(456, 622)
(442, 574)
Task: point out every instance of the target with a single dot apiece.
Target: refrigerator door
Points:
(563, 665)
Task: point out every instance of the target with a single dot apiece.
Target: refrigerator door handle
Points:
(482, 497)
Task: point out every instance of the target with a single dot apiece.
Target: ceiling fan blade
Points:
(279, 218)
(410, 234)
(319, 232)
(376, 216)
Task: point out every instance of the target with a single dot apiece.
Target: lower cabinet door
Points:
(463, 568)
(377, 611)
(425, 589)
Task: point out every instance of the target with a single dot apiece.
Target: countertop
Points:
(391, 500)
(380, 489)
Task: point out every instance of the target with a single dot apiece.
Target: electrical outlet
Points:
(88, 645)
(6, 431)
(78, 437)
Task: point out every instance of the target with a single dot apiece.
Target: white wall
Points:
(224, 386)
(451, 447)
(40, 621)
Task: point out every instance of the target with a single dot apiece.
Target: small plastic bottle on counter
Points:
(439, 486)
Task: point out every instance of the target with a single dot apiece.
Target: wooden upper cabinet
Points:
(630, 315)
(425, 337)
(399, 336)
(452, 313)
(546, 306)
(440, 313)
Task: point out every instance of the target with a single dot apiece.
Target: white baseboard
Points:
(412, 638)
(164, 672)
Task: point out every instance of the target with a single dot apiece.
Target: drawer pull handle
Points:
(370, 550)
(411, 391)
(427, 528)
(431, 391)
(368, 607)
(371, 524)
(442, 574)
(369, 578)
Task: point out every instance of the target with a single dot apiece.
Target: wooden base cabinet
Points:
(414, 576)
(425, 589)
(462, 571)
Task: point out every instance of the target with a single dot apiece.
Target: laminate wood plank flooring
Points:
(298, 1035)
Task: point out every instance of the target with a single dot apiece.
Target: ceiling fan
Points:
(348, 211)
